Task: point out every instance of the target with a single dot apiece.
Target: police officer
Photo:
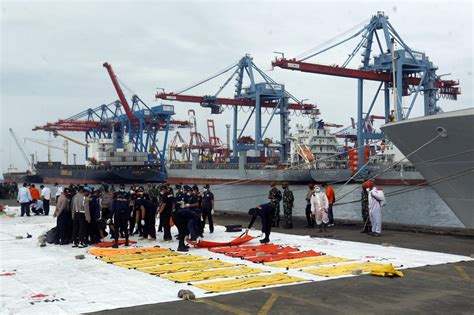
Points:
(288, 200)
(147, 214)
(265, 212)
(275, 197)
(184, 220)
(191, 202)
(165, 211)
(179, 197)
(120, 215)
(208, 208)
(62, 213)
(198, 210)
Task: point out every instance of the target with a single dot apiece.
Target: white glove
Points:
(131, 214)
(109, 221)
(142, 222)
(187, 205)
(212, 211)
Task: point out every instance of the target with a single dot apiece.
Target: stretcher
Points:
(248, 282)
(234, 249)
(345, 269)
(158, 261)
(201, 275)
(189, 266)
(278, 257)
(140, 256)
(236, 241)
(306, 262)
(245, 254)
(110, 244)
(105, 252)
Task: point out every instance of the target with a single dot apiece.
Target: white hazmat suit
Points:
(319, 207)
(376, 200)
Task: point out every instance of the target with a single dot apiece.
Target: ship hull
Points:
(442, 149)
(22, 177)
(70, 174)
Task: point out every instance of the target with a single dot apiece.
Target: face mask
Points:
(317, 190)
(189, 193)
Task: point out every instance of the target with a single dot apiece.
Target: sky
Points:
(52, 54)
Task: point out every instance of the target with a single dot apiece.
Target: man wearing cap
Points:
(365, 208)
(62, 214)
(120, 213)
(265, 212)
(275, 197)
(81, 216)
(165, 212)
(208, 207)
(147, 211)
(288, 199)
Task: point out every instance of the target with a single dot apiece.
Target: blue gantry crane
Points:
(261, 93)
(385, 58)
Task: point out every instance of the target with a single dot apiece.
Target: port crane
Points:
(396, 66)
(258, 96)
(47, 143)
(29, 163)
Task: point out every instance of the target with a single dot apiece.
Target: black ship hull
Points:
(22, 177)
(74, 174)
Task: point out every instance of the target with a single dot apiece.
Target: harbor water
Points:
(422, 206)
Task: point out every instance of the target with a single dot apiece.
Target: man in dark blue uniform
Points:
(147, 211)
(120, 214)
(165, 211)
(207, 208)
(265, 212)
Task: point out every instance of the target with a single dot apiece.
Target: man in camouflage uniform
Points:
(365, 210)
(288, 200)
(275, 197)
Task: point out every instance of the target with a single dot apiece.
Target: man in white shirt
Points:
(24, 198)
(46, 196)
(59, 190)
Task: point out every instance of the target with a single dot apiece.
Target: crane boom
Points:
(55, 133)
(119, 91)
(25, 156)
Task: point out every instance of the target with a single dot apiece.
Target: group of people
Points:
(86, 215)
(33, 200)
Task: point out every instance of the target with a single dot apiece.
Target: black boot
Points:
(115, 245)
(265, 240)
(320, 228)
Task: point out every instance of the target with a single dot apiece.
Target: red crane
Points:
(120, 94)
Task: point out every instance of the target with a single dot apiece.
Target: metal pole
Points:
(360, 121)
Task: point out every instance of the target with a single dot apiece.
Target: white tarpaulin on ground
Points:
(50, 280)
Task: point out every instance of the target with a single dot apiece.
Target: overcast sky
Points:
(52, 54)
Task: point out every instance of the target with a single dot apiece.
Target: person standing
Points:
(365, 208)
(309, 216)
(81, 216)
(148, 215)
(46, 195)
(275, 197)
(319, 206)
(288, 200)
(58, 192)
(376, 200)
(165, 211)
(120, 214)
(208, 208)
(62, 214)
(266, 213)
(331, 200)
(24, 198)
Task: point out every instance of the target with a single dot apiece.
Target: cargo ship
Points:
(442, 148)
(105, 164)
(13, 175)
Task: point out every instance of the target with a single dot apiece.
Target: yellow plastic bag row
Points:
(345, 269)
(158, 261)
(248, 283)
(189, 266)
(212, 274)
(305, 262)
(105, 252)
(140, 256)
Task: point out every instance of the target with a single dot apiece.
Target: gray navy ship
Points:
(442, 148)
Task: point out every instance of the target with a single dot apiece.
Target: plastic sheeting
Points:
(306, 262)
(190, 266)
(345, 269)
(158, 261)
(106, 252)
(236, 241)
(277, 257)
(212, 274)
(141, 256)
(248, 283)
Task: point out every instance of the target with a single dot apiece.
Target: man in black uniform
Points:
(120, 214)
(147, 212)
(265, 212)
(166, 208)
(207, 208)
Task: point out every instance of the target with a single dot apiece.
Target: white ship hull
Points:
(447, 162)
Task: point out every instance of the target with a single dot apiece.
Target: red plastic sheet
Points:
(225, 250)
(110, 244)
(236, 241)
(259, 252)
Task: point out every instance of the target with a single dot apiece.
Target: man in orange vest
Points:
(331, 200)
